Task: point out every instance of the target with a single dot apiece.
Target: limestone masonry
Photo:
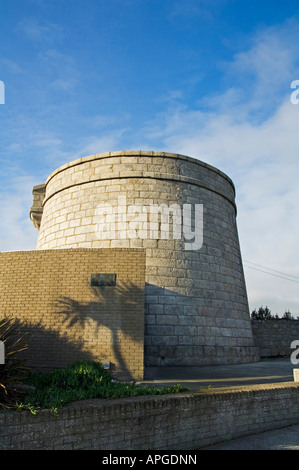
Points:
(182, 212)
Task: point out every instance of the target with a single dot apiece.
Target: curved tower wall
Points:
(196, 308)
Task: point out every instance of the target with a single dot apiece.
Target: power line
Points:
(271, 274)
(270, 269)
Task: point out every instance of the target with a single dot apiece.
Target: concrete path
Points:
(264, 371)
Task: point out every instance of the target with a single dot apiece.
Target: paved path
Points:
(278, 439)
(264, 371)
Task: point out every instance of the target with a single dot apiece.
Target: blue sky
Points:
(206, 78)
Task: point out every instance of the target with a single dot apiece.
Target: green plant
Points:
(81, 381)
(206, 387)
(14, 370)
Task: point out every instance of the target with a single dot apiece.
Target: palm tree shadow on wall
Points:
(118, 308)
(45, 346)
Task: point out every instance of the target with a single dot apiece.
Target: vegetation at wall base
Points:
(14, 370)
(82, 380)
(22, 389)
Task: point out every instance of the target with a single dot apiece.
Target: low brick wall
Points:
(171, 422)
(274, 337)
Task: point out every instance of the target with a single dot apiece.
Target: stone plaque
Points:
(103, 279)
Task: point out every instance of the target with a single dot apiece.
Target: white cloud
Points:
(16, 228)
(36, 30)
(106, 143)
(250, 132)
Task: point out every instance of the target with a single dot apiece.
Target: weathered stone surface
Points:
(201, 290)
(274, 337)
(36, 210)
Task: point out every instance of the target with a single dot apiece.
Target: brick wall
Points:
(178, 422)
(65, 317)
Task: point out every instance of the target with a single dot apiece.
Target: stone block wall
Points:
(274, 337)
(67, 317)
(196, 308)
(170, 422)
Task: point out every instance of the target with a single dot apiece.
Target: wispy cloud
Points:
(253, 138)
(37, 30)
(15, 227)
(109, 142)
(190, 9)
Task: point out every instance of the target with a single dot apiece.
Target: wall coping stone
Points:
(135, 153)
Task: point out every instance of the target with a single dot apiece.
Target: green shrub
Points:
(82, 381)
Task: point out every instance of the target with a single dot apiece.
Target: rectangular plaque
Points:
(103, 279)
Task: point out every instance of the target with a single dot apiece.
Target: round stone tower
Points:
(182, 212)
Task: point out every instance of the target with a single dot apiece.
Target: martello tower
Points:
(180, 210)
